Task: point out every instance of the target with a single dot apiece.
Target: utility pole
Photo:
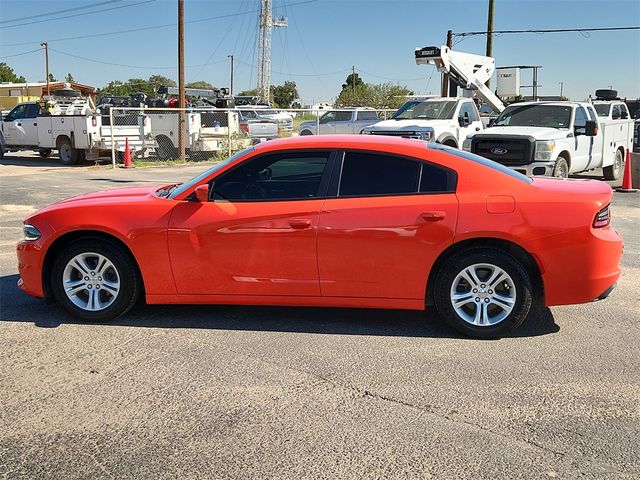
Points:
(266, 24)
(353, 82)
(231, 86)
(46, 63)
(489, 51)
(181, 92)
(444, 90)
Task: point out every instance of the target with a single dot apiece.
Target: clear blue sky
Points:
(323, 40)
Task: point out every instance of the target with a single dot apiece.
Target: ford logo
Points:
(499, 150)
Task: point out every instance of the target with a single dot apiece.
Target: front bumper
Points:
(30, 263)
(535, 168)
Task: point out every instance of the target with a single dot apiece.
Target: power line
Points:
(74, 9)
(253, 67)
(389, 78)
(79, 14)
(140, 29)
(551, 30)
(127, 65)
(23, 53)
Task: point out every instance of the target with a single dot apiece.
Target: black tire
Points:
(305, 132)
(68, 155)
(82, 155)
(561, 169)
(166, 150)
(127, 273)
(612, 172)
(519, 278)
(450, 143)
(1, 151)
(44, 152)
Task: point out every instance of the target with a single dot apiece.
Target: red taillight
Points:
(244, 127)
(603, 218)
(94, 121)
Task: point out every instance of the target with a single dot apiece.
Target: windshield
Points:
(429, 110)
(187, 185)
(551, 116)
(602, 109)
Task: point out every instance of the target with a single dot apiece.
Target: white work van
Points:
(73, 127)
(554, 138)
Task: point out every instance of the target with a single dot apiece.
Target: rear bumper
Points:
(583, 271)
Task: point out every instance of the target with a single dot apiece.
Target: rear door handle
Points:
(300, 223)
(433, 216)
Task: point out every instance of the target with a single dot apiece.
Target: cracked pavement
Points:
(261, 392)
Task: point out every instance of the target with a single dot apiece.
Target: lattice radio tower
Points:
(267, 23)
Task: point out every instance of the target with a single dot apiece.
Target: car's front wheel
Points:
(483, 292)
(95, 280)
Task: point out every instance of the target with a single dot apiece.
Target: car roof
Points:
(340, 141)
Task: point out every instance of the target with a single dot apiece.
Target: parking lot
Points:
(257, 392)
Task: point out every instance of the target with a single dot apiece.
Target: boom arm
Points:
(466, 69)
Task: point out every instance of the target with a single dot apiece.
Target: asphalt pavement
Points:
(255, 392)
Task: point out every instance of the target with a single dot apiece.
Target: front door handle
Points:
(433, 216)
(300, 223)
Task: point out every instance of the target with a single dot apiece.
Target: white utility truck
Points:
(71, 124)
(207, 130)
(445, 120)
(554, 138)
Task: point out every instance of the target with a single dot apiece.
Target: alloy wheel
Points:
(91, 281)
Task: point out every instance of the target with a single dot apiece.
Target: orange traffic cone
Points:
(627, 186)
(127, 154)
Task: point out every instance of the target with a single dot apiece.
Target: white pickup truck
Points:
(73, 127)
(444, 120)
(554, 138)
(340, 121)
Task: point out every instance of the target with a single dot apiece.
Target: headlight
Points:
(544, 149)
(466, 145)
(426, 135)
(31, 233)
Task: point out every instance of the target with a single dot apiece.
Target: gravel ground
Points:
(256, 392)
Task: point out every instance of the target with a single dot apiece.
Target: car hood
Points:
(539, 133)
(116, 195)
(407, 124)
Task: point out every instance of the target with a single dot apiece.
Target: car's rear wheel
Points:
(68, 155)
(484, 293)
(612, 172)
(305, 132)
(95, 280)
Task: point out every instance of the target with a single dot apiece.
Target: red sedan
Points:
(341, 221)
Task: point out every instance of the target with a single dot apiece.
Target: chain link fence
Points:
(152, 134)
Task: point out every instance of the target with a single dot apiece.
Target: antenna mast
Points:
(266, 24)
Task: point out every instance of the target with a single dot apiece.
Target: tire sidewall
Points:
(561, 162)
(128, 279)
(500, 259)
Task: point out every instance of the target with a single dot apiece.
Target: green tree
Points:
(248, 93)
(284, 95)
(200, 84)
(352, 81)
(69, 78)
(162, 80)
(7, 74)
(380, 96)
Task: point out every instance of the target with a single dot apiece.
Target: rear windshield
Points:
(481, 160)
(602, 109)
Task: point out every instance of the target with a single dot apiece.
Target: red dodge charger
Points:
(341, 221)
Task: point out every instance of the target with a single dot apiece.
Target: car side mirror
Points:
(202, 193)
(463, 121)
(491, 122)
(591, 128)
